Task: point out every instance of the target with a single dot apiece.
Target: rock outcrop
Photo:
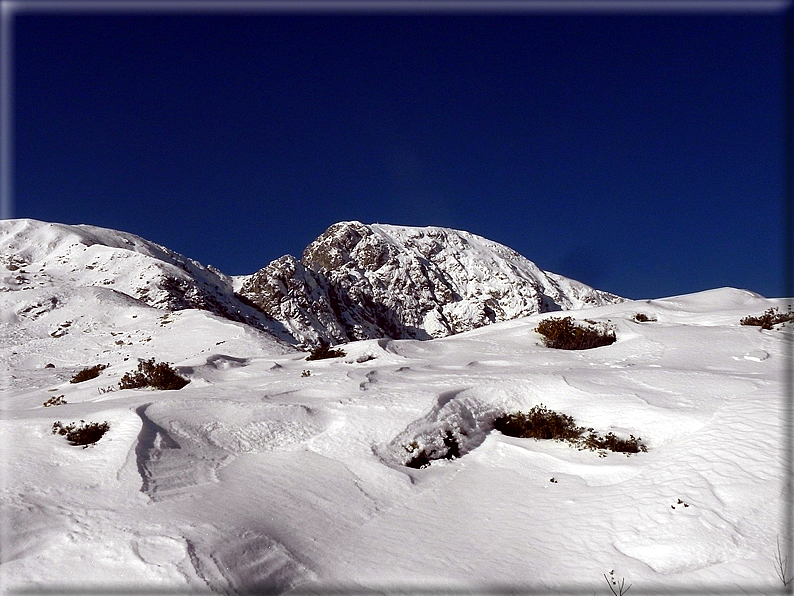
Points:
(359, 281)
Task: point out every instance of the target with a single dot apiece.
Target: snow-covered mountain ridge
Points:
(352, 282)
(46, 258)
(359, 281)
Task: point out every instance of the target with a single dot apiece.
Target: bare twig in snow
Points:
(617, 588)
(781, 565)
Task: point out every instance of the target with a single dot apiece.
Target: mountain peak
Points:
(332, 248)
(358, 281)
(354, 281)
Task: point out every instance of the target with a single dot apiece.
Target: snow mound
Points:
(250, 563)
(457, 424)
(177, 452)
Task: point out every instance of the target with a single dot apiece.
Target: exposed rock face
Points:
(359, 281)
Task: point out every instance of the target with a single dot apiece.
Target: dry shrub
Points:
(770, 318)
(55, 401)
(539, 423)
(641, 317)
(323, 352)
(157, 376)
(542, 423)
(86, 434)
(422, 459)
(566, 334)
(92, 372)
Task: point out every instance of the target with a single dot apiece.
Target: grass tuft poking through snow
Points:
(567, 334)
(157, 376)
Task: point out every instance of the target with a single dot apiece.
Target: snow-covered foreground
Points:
(258, 474)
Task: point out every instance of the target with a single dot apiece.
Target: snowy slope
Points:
(359, 281)
(258, 473)
(42, 259)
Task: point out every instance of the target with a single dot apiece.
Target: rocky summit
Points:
(358, 281)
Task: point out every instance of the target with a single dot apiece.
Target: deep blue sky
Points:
(639, 153)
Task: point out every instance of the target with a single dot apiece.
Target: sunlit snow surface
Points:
(255, 475)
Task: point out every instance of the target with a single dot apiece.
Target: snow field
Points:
(256, 475)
